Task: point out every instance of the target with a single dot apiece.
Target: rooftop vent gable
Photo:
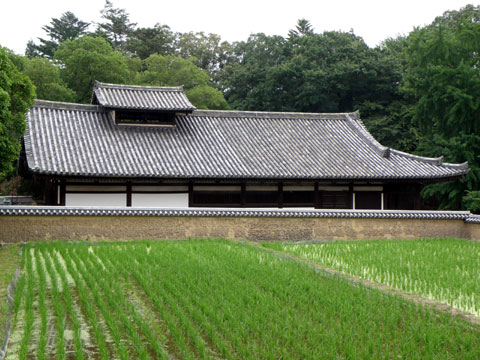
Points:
(141, 98)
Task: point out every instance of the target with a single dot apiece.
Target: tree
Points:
(144, 42)
(16, 98)
(207, 97)
(210, 52)
(328, 72)
(46, 77)
(87, 59)
(245, 79)
(303, 28)
(172, 70)
(443, 77)
(67, 27)
(117, 26)
(472, 201)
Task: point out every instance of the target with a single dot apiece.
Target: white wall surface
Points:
(95, 199)
(160, 200)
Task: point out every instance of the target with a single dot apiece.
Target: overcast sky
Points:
(373, 20)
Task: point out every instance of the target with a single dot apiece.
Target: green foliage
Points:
(208, 51)
(456, 149)
(144, 42)
(67, 27)
(442, 75)
(87, 59)
(303, 28)
(11, 186)
(472, 201)
(117, 26)
(207, 97)
(308, 72)
(172, 70)
(16, 97)
(46, 77)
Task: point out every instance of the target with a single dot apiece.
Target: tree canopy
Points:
(173, 70)
(67, 27)
(87, 59)
(443, 77)
(47, 80)
(16, 98)
(116, 26)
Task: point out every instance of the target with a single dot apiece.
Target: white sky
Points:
(373, 20)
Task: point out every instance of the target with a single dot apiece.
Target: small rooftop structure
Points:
(129, 97)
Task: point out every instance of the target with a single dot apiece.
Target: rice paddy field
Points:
(213, 299)
(445, 270)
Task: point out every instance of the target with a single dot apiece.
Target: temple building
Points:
(139, 146)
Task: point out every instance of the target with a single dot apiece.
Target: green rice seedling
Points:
(269, 296)
(87, 306)
(153, 292)
(111, 282)
(240, 302)
(445, 270)
(99, 302)
(58, 307)
(67, 296)
(118, 303)
(42, 308)
(29, 312)
(196, 310)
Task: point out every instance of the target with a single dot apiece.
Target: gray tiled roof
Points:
(141, 97)
(81, 140)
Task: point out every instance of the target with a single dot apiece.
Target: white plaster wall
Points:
(160, 200)
(95, 199)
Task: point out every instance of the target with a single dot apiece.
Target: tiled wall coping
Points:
(228, 212)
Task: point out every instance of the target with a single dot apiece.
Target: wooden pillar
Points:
(190, 194)
(316, 196)
(243, 199)
(280, 195)
(61, 200)
(129, 193)
(417, 197)
(351, 202)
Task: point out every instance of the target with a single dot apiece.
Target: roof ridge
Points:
(66, 105)
(99, 84)
(361, 130)
(270, 114)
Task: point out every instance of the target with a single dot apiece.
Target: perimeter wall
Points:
(22, 224)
